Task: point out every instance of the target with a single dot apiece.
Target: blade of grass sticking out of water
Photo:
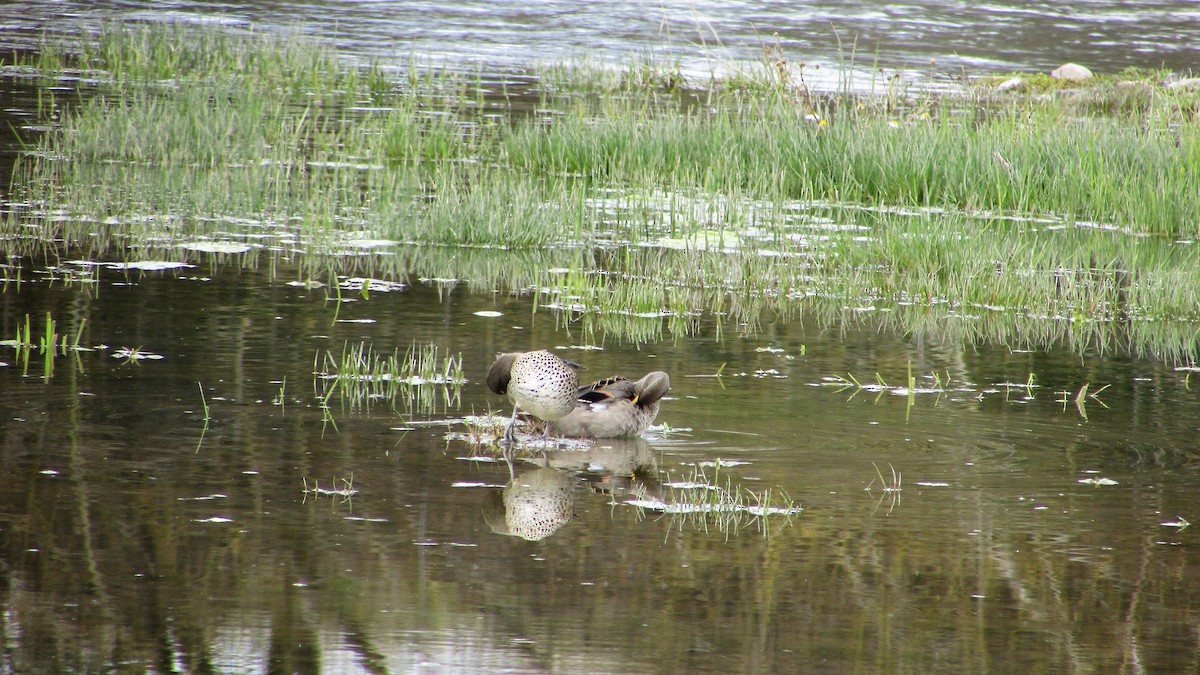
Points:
(207, 417)
(46, 343)
(204, 404)
(24, 338)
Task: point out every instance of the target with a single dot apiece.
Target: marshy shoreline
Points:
(630, 201)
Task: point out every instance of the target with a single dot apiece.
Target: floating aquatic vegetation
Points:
(482, 431)
(366, 285)
(227, 247)
(483, 435)
(343, 487)
(703, 502)
(135, 354)
(939, 384)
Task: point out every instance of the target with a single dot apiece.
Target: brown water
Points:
(134, 538)
(1029, 534)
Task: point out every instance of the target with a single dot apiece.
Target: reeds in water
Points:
(667, 203)
(420, 381)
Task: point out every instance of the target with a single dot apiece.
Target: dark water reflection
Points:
(999, 35)
(129, 541)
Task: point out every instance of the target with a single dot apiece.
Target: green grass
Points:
(703, 502)
(664, 203)
(421, 380)
(49, 345)
(48, 342)
(1031, 162)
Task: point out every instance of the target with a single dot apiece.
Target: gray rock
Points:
(1189, 83)
(1011, 84)
(1071, 71)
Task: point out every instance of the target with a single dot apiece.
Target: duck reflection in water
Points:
(535, 503)
(614, 467)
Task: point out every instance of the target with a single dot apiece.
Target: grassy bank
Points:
(630, 203)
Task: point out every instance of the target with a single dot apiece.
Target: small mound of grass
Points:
(421, 380)
(703, 502)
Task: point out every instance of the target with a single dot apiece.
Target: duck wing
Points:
(607, 390)
(646, 391)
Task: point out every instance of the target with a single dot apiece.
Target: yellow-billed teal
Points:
(614, 407)
(540, 383)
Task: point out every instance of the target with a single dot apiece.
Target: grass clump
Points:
(702, 502)
(420, 381)
(49, 345)
(1021, 162)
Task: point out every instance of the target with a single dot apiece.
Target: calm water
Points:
(1029, 533)
(132, 536)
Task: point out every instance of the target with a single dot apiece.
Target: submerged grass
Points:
(632, 204)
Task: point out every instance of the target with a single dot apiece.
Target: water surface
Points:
(1024, 535)
(701, 36)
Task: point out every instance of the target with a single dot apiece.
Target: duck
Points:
(539, 382)
(615, 407)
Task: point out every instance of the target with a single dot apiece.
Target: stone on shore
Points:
(1072, 72)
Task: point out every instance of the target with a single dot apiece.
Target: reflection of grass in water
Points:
(701, 502)
(50, 344)
(961, 224)
(343, 487)
(421, 380)
(889, 489)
